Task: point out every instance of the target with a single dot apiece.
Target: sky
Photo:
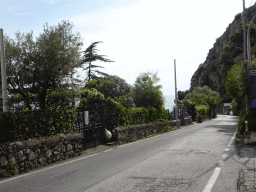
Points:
(139, 35)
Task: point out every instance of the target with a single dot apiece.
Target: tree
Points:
(114, 87)
(90, 55)
(181, 96)
(146, 93)
(233, 50)
(203, 98)
(110, 86)
(207, 81)
(89, 97)
(235, 85)
(36, 68)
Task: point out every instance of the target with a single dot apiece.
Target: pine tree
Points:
(90, 55)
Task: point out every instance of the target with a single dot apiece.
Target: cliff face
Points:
(212, 65)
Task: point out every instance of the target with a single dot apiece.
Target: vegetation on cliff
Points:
(234, 71)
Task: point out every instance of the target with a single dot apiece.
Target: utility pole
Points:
(244, 31)
(245, 58)
(176, 103)
(3, 73)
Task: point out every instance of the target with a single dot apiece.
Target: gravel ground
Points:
(247, 177)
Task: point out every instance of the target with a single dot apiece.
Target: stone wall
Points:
(127, 134)
(249, 137)
(20, 157)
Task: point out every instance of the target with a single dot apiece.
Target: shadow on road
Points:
(228, 129)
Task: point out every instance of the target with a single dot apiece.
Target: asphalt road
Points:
(182, 160)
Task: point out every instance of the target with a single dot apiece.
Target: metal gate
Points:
(91, 122)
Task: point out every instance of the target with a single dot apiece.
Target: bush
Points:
(118, 115)
(250, 117)
(201, 110)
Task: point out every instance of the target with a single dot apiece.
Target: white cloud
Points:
(51, 1)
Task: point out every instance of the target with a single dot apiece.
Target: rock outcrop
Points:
(212, 64)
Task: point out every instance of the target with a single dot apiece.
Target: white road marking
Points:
(108, 150)
(27, 174)
(217, 170)
(212, 180)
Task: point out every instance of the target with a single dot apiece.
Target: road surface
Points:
(199, 157)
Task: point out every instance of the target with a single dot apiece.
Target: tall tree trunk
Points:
(89, 70)
(27, 102)
(42, 98)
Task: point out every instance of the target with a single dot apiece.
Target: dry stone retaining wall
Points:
(19, 157)
(127, 134)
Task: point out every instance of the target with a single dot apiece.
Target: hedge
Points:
(18, 126)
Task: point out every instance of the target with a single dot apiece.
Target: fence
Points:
(91, 122)
(183, 112)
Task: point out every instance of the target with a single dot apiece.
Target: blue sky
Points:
(139, 35)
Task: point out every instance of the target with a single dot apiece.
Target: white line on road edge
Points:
(27, 174)
(150, 137)
(212, 180)
(216, 172)
(108, 150)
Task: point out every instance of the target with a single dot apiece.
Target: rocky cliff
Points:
(211, 69)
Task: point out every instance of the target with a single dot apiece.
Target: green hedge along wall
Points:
(118, 115)
(24, 125)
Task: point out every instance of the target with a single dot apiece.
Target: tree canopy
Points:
(146, 92)
(202, 97)
(90, 55)
(37, 67)
(110, 86)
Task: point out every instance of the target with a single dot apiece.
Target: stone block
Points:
(42, 160)
(53, 140)
(31, 156)
(73, 137)
(28, 151)
(34, 142)
(252, 138)
(49, 153)
(69, 147)
(2, 173)
(249, 137)
(3, 161)
(20, 154)
(12, 160)
(56, 153)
